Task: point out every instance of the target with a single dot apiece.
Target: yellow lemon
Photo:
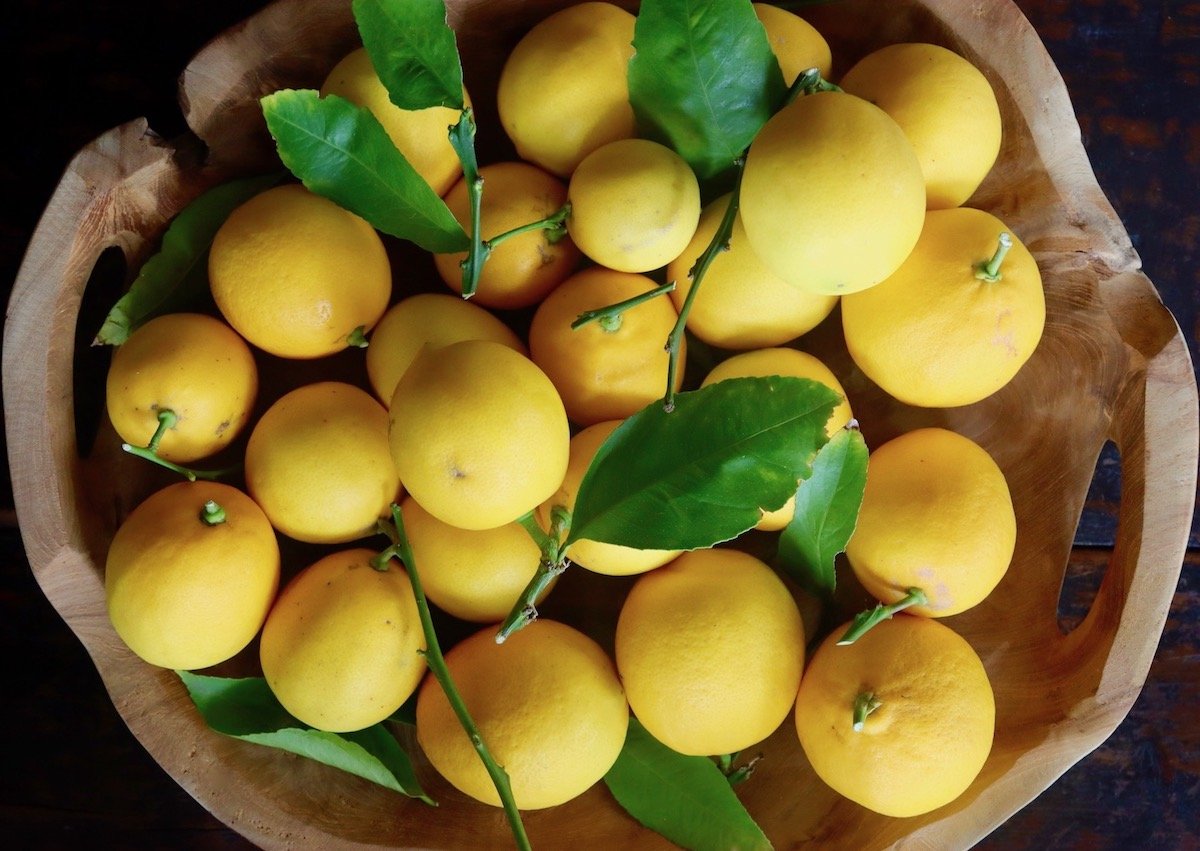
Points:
(607, 369)
(794, 41)
(794, 364)
(563, 90)
(741, 304)
(597, 556)
(341, 649)
(936, 333)
(936, 515)
(548, 705)
(473, 575)
(428, 319)
(523, 268)
(832, 195)
(710, 649)
(946, 108)
(422, 135)
(634, 205)
(318, 463)
(191, 574)
(478, 434)
(930, 723)
(192, 365)
(296, 275)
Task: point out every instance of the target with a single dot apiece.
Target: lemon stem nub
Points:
(990, 270)
(358, 337)
(212, 514)
(809, 83)
(609, 316)
(166, 420)
(864, 705)
(864, 621)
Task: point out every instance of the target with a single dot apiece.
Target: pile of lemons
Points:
(850, 196)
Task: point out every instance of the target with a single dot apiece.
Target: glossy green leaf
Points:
(341, 151)
(246, 709)
(413, 50)
(176, 278)
(703, 80)
(699, 475)
(827, 506)
(684, 798)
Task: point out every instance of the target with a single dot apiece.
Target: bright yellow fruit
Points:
(295, 274)
(420, 134)
(478, 434)
(794, 41)
(832, 195)
(604, 370)
(930, 733)
(187, 593)
(710, 648)
(473, 575)
(946, 108)
(342, 646)
(936, 515)
(563, 91)
(318, 463)
(936, 335)
(192, 365)
(793, 364)
(521, 269)
(741, 304)
(599, 557)
(430, 320)
(548, 705)
(634, 205)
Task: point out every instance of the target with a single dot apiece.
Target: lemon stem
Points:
(358, 337)
(552, 563)
(865, 621)
(212, 514)
(167, 419)
(462, 139)
(554, 224)
(441, 672)
(990, 270)
(609, 317)
(809, 83)
(719, 243)
(864, 705)
(740, 775)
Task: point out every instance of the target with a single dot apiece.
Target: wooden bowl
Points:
(1112, 366)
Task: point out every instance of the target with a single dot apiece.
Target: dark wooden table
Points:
(72, 776)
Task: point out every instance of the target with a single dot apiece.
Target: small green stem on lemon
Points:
(552, 563)
(609, 316)
(554, 224)
(212, 514)
(719, 243)
(437, 666)
(358, 337)
(864, 705)
(167, 419)
(809, 83)
(546, 543)
(864, 621)
(462, 139)
(989, 270)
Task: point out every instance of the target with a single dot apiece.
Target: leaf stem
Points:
(167, 419)
(606, 315)
(865, 621)
(989, 270)
(556, 223)
(864, 705)
(437, 666)
(719, 243)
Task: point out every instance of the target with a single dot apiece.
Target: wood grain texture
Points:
(1113, 367)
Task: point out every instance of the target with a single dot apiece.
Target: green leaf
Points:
(246, 709)
(413, 50)
(827, 506)
(684, 798)
(341, 151)
(176, 278)
(703, 79)
(699, 475)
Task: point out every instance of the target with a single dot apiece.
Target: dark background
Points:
(73, 776)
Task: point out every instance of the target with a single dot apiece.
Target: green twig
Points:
(864, 621)
(462, 139)
(555, 223)
(166, 420)
(437, 666)
(552, 563)
(989, 270)
(609, 316)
